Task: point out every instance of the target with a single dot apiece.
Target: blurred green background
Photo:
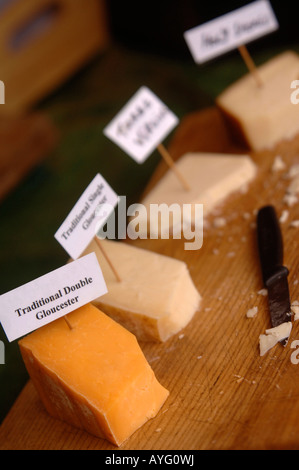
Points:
(80, 109)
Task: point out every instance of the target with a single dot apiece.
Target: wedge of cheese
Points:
(93, 376)
(156, 297)
(273, 336)
(263, 116)
(211, 177)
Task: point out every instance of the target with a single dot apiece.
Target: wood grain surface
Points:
(223, 395)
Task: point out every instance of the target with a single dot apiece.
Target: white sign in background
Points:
(141, 125)
(51, 296)
(231, 30)
(86, 218)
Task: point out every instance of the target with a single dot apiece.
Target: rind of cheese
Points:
(93, 376)
(212, 177)
(273, 336)
(263, 116)
(156, 297)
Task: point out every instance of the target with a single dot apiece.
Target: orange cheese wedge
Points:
(93, 376)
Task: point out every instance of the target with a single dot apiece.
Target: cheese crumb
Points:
(263, 292)
(273, 336)
(219, 222)
(278, 164)
(284, 216)
(252, 312)
(290, 199)
(294, 171)
(294, 223)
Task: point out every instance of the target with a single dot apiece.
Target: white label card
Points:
(87, 217)
(51, 296)
(230, 31)
(141, 125)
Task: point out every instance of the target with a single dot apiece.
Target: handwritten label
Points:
(2, 93)
(141, 125)
(51, 296)
(87, 217)
(230, 31)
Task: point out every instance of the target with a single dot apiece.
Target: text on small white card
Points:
(141, 125)
(231, 30)
(51, 296)
(87, 217)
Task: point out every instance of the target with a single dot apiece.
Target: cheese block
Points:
(156, 297)
(93, 376)
(262, 116)
(211, 177)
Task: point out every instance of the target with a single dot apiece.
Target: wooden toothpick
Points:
(168, 159)
(67, 322)
(250, 64)
(108, 259)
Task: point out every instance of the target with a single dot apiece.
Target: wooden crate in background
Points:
(43, 42)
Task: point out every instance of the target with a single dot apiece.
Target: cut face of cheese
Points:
(263, 116)
(211, 177)
(93, 376)
(156, 297)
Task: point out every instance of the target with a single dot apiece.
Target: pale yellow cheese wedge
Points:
(264, 116)
(273, 336)
(211, 177)
(93, 376)
(156, 297)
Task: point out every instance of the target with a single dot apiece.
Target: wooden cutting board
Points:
(223, 395)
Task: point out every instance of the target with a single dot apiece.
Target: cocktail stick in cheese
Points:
(211, 177)
(262, 116)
